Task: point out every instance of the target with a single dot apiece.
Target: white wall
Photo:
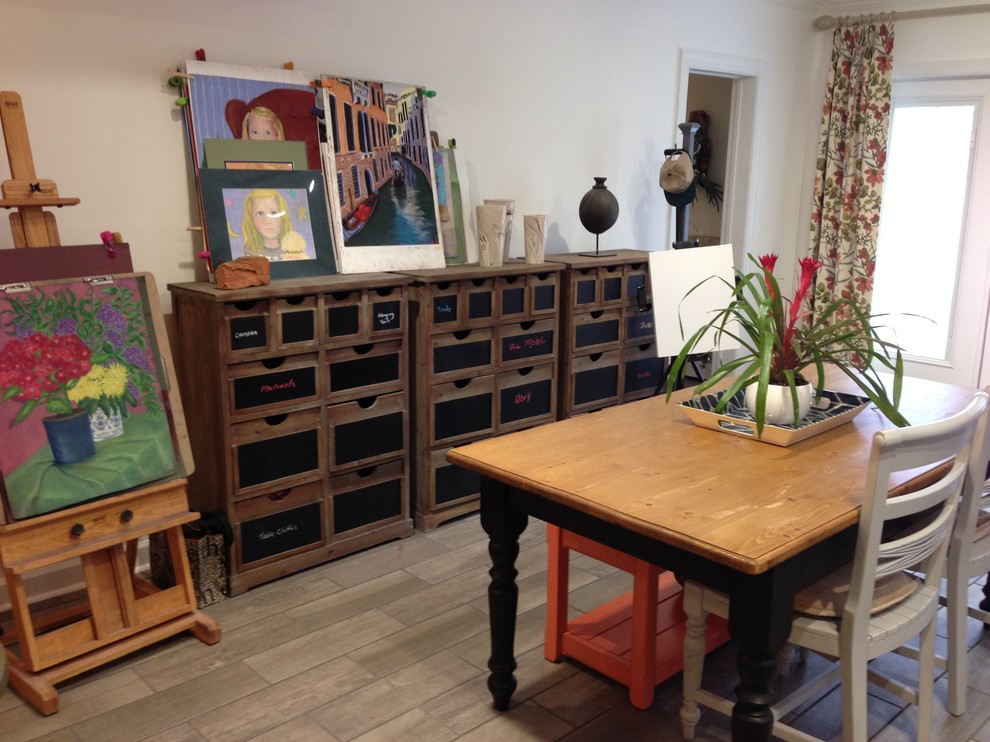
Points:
(541, 97)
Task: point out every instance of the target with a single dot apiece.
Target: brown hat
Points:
(677, 178)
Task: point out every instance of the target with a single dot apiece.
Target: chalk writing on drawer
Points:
(367, 505)
(643, 373)
(272, 388)
(640, 325)
(364, 439)
(445, 308)
(280, 532)
(453, 483)
(385, 316)
(298, 327)
(342, 320)
(248, 332)
(527, 346)
(273, 458)
(524, 401)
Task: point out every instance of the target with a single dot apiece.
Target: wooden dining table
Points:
(754, 520)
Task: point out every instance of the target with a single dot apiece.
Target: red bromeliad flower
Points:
(787, 358)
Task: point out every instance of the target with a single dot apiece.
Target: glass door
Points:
(931, 278)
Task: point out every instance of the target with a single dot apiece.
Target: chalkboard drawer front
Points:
(447, 304)
(585, 288)
(277, 500)
(366, 370)
(598, 330)
(280, 534)
(455, 354)
(543, 294)
(274, 382)
(386, 312)
(637, 276)
(296, 320)
(461, 410)
(512, 298)
(248, 328)
(452, 484)
(479, 302)
(641, 371)
(611, 277)
(364, 314)
(526, 397)
(345, 316)
(595, 380)
(527, 343)
(640, 328)
(367, 430)
(280, 449)
(369, 498)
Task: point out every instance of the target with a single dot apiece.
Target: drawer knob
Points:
(127, 516)
(78, 530)
(280, 495)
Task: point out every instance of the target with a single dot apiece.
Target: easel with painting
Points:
(120, 612)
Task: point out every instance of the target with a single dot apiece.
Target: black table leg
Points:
(759, 622)
(503, 526)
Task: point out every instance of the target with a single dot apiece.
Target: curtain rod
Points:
(826, 22)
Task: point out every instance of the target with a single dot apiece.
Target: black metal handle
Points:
(78, 530)
(127, 516)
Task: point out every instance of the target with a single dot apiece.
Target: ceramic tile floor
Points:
(392, 644)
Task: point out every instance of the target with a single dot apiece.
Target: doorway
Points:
(726, 88)
(709, 101)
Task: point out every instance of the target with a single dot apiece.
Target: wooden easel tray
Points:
(834, 409)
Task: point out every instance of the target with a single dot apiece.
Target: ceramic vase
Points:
(491, 235)
(535, 235)
(599, 208)
(104, 426)
(70, 437)
(780, 407)
(510, 208)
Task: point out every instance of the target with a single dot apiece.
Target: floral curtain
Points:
(852, 154)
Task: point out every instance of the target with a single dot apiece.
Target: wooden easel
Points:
(30, 224)
(121, 612)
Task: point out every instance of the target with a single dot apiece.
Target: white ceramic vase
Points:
(780, 406)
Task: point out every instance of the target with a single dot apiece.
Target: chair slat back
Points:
(885, 542)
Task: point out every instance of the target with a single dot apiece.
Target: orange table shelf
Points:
(636, 639)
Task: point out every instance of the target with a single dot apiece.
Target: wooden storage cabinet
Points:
(608, 346)
(298, 415)
(483, 362)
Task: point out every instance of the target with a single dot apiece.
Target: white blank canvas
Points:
(674, 273)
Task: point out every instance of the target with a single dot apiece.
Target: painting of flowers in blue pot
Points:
(83, 413)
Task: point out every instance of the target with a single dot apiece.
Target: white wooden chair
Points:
(874, 604)
(969, 557)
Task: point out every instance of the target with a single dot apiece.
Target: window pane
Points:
(920, 227)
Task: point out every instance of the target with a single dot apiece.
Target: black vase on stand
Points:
(598, 211)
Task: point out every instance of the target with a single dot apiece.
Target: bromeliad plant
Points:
(781, 339)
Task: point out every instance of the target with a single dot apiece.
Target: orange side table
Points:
(636, 639)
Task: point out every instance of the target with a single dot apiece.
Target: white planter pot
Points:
(780, 406)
